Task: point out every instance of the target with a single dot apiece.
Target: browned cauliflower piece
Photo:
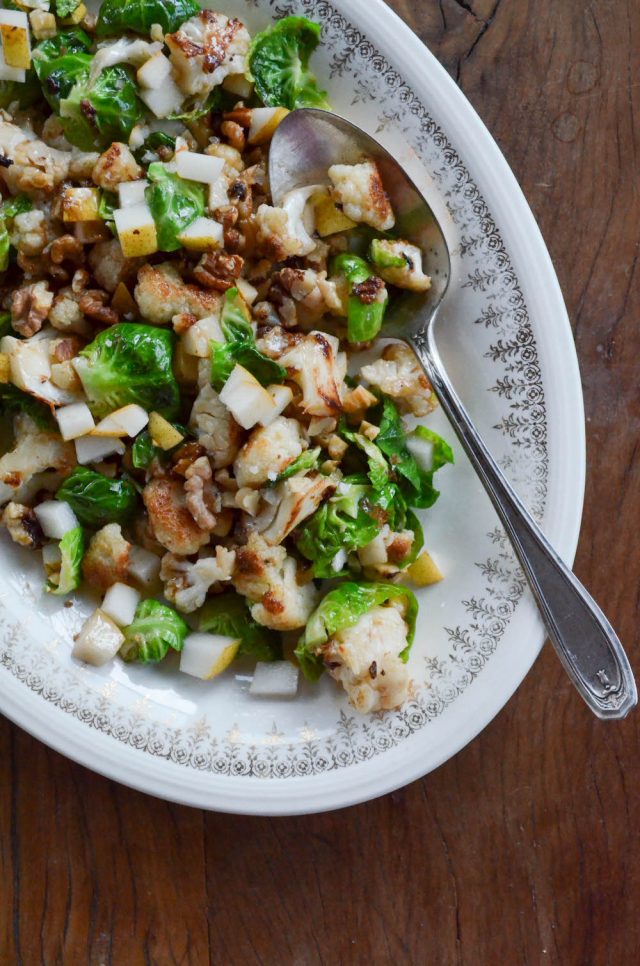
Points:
(35, 166)
(365, 659)
(115, 165)
(318, 367)
(205, 49)
(187, 583)
(409, 275)
(299, 498)
(386, 553)
(31, 232)
(23, 526)
(215, 428)
(268, 451)
(170, 519)
(33, 453)
(161, 294)
(359, 189)
(399, 375)
(109, 265)
(106, 561)
(268, 577)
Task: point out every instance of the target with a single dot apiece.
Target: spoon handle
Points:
(584, 639)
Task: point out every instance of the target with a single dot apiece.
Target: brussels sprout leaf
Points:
(138, 16)
(94, 114)
(174, 203)
(279, 59)
(72, 551)
(13, 401)
(130, 363)
(155, 628)
(97, 500)
(341, 524)
(240, 347)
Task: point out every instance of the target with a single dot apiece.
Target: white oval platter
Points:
(509, 348)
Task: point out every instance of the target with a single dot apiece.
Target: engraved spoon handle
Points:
(584, 639)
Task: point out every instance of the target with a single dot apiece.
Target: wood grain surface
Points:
(524, 849)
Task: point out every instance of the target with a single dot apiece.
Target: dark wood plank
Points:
(524, 848)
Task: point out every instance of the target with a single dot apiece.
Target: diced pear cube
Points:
(120, 603)
(80, 204)
(99, 640)
(329, 218)
(74, 420)
(5, 368)
(92, 449)
(136, 230)
(202, 235)
(163, 101)
(43, 24)
(197, 339)
(132, 192)
(247, 401)
(127, 421)
(264, 121)
(16, 44)
(163, 433)
(207, 655)
(7, 73)
(154, 72)
(199, 167)
(76, 17)
(424, 571)
(185, 365)
(123, 301)
(239, 85)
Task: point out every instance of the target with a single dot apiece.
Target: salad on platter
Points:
(190, 432)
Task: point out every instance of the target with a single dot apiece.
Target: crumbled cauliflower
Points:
(170, 519)
(365, 659)
(268, 577)
(318, 367)
(313, 293)
(161, 294)
(298, 497)
(385, 554)
(215, 427)
(106, 561)
(115, 165)
(280, 234)
(30, 232)
(202, 495)
(206, 49)
(109, 265)
(36, 167)
(409, 275)
(65, 314)
(398, 374)
(268, 451)
(186, 584)
(23, 526)
(34, 452)
(359, 189)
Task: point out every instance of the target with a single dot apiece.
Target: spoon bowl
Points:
(306, 143)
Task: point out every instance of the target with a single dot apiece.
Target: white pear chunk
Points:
(163, 101)
(282, 396)
(264, 121)
(144, 566)
(207, 655)
(247, 401)
(136, 230)
(56, 518)
(219, 193)
(120, 603)
(99, 640)
(91, 449)
(16, 43)
(202, 235)
(154, 72)
(74, 420)
(421, 450)
(131, 193)
(126, 421)
(248, 292)
(199, 167)
(275, 679)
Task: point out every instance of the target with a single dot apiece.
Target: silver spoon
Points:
(304, 145)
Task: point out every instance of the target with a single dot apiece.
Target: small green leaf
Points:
(96, 499)
(155, 629)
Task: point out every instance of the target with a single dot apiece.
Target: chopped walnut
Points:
(358, 399)
(94, 304)
(202, 495)
(30, 307)
(234, 134)
(218, 270)
(67, 248)
(23, 526)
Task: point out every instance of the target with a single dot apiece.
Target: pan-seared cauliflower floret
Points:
(398, 374)
(65, 314)
(116, 165)
(359, 189)
(318, 367)
(409, 273)
(365, 660)
(299, 498)
(215, 428)
(33, 453)
(35, 167)
(170, 519)
(106, 561)
(186, 584)
(268, 577)
(205, 49)
(109, 265)
(161, 294)
(30, 232)
(23, 526)
(313, 293)
(280, 234)
(268, 451)
(385, 555)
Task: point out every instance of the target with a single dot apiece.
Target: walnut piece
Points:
(30, 307)
(218, 270)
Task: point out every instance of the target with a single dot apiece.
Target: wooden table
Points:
(524, 848)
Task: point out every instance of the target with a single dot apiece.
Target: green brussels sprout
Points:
(340, 524)
(71, 549)
(154, 630)
(130, 363)
(96, 113)
(279, 63)
(364, 319)
(240, 347)
(118, 16)
(174, 202)
(97, 500)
